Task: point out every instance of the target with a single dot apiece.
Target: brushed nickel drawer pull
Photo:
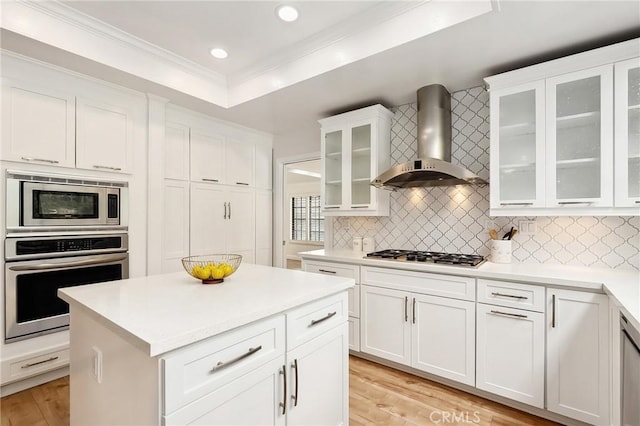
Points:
(359, 207)
(327, 271)
(509, 295)
(331, 207)
(569, 203)
(107, 167)
(637, 201)
(406, 312)
(43, 160)
(414, 310)
(223, 364)
(553, 311)
(508, 314)
(209, 180)
(516, 204)
(318, 321)
(53, 358)
(242, 183)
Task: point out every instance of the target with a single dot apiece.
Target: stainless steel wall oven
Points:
(36, 267)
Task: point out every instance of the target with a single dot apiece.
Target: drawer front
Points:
(512, 295)
(192, 372)
(311, 320)
(330, 268)
(354, 301)
(463, 288)
(38, 364)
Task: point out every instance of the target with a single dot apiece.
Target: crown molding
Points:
(59, 25)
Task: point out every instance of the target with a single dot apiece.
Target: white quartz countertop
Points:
(160, 313)
(622, 285)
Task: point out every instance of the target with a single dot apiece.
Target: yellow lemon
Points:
(228, 269)
(201, 272)
(217, 272)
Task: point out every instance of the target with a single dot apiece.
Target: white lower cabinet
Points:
(578, 355)
(253, 399)
(429, 333)
(510, 353)
(318, 386)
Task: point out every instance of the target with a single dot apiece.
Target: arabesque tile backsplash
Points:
(453, 219)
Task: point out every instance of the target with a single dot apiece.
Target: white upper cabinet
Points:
(38, 124)
(627, 133)
(104, 136)
(176, 151)
(263, 166)
(239, 159)
(552, 135)
(580, 138)
(355, 148)
(517, 146)
(207, 157)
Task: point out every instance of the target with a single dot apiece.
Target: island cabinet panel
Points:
(318, 393)
(195, 371)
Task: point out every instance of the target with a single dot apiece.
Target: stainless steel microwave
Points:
(54, 202)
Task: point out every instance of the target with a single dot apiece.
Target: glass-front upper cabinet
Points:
(355, 149)
(332, 169)
(517, 147)
(579, 130)
(627, 133)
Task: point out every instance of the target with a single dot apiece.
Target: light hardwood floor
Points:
(378, 396)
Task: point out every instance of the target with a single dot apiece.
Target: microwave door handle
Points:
(92, 261)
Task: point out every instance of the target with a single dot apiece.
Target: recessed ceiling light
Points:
(219, 53)
(287, 13)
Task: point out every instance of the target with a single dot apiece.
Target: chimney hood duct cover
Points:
(433, 166)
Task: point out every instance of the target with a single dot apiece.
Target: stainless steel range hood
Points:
(433, 166)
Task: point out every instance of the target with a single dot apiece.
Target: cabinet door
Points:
(176, 151)
(627, 133)
(252, 399)
(319, 380)
(510, 353)
(241, 222)
(38, 125)
(331, 158)
(175, 232)
(385, 329)
(263, 227)
(580, 138)
(578, 355)
(104, 136)
(517, 147)
(239, 162)
(361, 164)
(443, 337)
(208, 162)
(209, 223)
(263, 166)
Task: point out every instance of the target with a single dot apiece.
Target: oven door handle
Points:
(95, 260)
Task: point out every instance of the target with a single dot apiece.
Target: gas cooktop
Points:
(456, 259)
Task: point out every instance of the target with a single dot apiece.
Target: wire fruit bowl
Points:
(212, 268)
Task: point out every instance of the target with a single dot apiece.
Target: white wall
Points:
(303, 140)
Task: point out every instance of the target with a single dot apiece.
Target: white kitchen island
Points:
(267, 346)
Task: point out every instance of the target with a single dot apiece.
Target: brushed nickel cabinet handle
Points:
(107, 167)
(414, 310)
(242, 183)
(637, 201)
(553, 311)
(223, 364)
(508, 314)
(359, 207)
(327, 271)
(225, 209)
(295, 396)
(574, 203)
(209, 180)
(318, 321)
(283, 404)
(53, 358)
(331, 207)
(42, 160)
(406, 312)
(229, 209)
(509, 295)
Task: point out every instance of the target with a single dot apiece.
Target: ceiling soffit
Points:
(383, 27)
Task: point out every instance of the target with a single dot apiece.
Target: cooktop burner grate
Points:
(456, 259)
